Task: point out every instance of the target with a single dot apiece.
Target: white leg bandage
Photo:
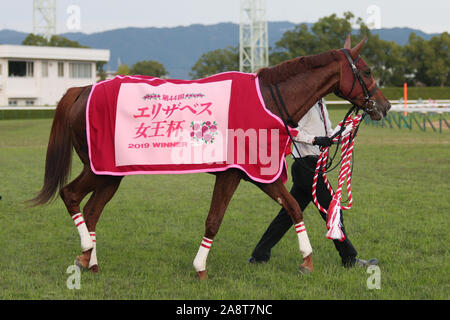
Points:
(303, 241)
(93, 260)
(202, 255)
(86, 242)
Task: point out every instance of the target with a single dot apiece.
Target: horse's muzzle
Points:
(378, 111)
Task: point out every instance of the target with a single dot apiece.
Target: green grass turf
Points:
(150, 231)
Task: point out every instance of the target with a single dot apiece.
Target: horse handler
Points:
(314, 132)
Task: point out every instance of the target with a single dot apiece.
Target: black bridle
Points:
(368, 104)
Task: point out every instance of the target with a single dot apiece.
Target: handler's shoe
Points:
(254, 261)
(361, 263)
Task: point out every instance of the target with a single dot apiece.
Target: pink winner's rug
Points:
(147, 125)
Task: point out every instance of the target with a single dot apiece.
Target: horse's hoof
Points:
(81, 263)
(307, 266)
(94, 268)
(305, 270)
(202, 275)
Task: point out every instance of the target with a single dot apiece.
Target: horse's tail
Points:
(59, 152)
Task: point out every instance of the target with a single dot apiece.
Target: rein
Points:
(288, 120)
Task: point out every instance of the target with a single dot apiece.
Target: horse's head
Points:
(357, 84)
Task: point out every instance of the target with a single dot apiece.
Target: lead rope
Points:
(345, 174)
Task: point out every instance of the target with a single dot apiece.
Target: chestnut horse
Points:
(299, 82)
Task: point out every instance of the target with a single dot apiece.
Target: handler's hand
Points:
(322, 141)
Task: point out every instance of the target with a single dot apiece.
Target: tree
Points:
(331, 31)
(294, 43)
(414, 52)
(35, 40)
(326, 34)
(149, 68)
(58, 41)
(100, 71)
(55, 41)
(386, 59)
(437, 60)
(123, 70)
(429, 60)
(216, 61)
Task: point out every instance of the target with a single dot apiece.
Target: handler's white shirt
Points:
(310, 126)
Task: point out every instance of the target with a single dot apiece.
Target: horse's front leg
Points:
(224, 188)
(280, 194)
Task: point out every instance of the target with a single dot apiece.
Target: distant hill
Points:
(179, 48)
(401, 35)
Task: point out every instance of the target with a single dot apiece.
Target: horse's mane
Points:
(285, 70)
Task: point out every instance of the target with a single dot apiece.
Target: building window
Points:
(44, 69)
(30, 69)
(80, 70)
(21, 68)
(60, 69)
(12, 102)
(29, 102)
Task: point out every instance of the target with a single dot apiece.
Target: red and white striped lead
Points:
(344, 174)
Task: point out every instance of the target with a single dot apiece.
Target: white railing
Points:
(431, 103)
(441, 108)
(413, 105)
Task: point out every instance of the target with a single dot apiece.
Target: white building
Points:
(32, 75)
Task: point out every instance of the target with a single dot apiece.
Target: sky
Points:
(89, 16)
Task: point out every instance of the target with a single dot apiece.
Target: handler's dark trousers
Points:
(302, 191)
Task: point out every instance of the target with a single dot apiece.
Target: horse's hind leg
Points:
(226, 184)
(72, 194)
(103, 192)
(103, 188)
(279, 193)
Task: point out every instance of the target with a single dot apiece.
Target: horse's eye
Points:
(367, 73)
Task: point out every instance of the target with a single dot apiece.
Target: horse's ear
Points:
(348, 43)
(355, 51)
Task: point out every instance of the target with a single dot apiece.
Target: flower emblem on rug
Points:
(205, 131)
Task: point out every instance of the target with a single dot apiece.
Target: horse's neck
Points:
(302, 91)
